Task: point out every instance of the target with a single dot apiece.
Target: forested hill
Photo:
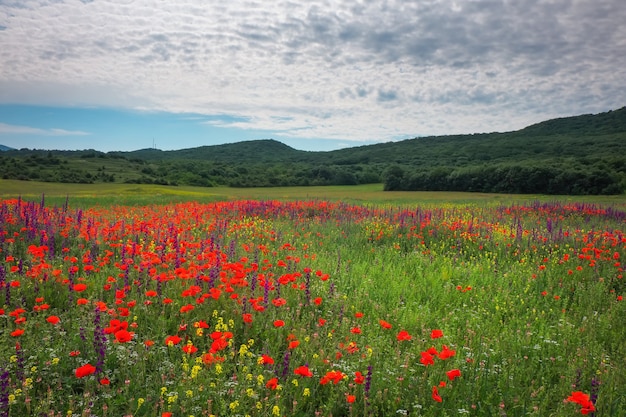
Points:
(573, 155)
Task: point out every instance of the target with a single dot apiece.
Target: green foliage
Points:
(576, 155)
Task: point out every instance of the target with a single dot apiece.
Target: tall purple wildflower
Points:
(368, 381)
(4, 392)
(99, 341)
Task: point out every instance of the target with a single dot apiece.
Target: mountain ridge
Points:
(573, 155)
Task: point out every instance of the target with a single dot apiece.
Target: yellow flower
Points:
(55, 361)
(233, 406)
(306, 392)
(195, 370)
(276, 410)
(189, 393)
(140, 401)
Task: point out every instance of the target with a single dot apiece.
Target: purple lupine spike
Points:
(5, 380)
(286, 359)
(99, 341)
(368, 381)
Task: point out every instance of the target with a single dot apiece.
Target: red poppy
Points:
(384, 324)
(53, 320)
(303, 371)
(174, 340)
(355, 330)
(266, 360)
(359, 378)
(583, 400)
(446, 353)
(454, 373)
(189, 349)
(123, 336)
(332, 376)
(350, 398)
(17, 332)
(272, 383)
(279, 323)
(427, 359)
(247, 318)
(436, 395)
(105, 381)
(79, 287)
(435, 334)
(403, 335)
(85, 370)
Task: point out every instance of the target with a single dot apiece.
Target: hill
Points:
(5, 148)
(574, 155)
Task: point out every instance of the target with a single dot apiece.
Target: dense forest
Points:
(574, 155)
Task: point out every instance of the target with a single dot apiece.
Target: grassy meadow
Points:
(143, 300)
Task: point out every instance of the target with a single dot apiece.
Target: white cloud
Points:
(352, 70)
(28, 130)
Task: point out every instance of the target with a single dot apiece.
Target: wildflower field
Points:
(312, 308)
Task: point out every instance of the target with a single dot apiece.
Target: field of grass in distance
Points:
(85, 195)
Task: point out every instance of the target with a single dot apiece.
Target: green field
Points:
(137, 194)
(144, 300)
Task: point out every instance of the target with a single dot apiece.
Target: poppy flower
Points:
(583, 400)
(384, 324)
(123, 336)
(266, 360)
(172, 340)
(454, 373)
(17, 332)
(279, 323)
(190, 349)
(105, 381)
(53, 320)
(303, 371)
(272, 383)
(435, 334)
(446, 353)
(427, 359)
(436, 395)
(403, 335)
(79, 287)
(332, 376)
(359, 378)
(350, 398)
(85, 370)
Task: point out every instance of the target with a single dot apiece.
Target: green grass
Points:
(86, 195)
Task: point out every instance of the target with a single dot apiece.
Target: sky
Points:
(121, 75)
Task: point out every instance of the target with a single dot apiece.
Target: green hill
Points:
(574, 155)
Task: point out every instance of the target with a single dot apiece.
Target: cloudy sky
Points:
(314, 74)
